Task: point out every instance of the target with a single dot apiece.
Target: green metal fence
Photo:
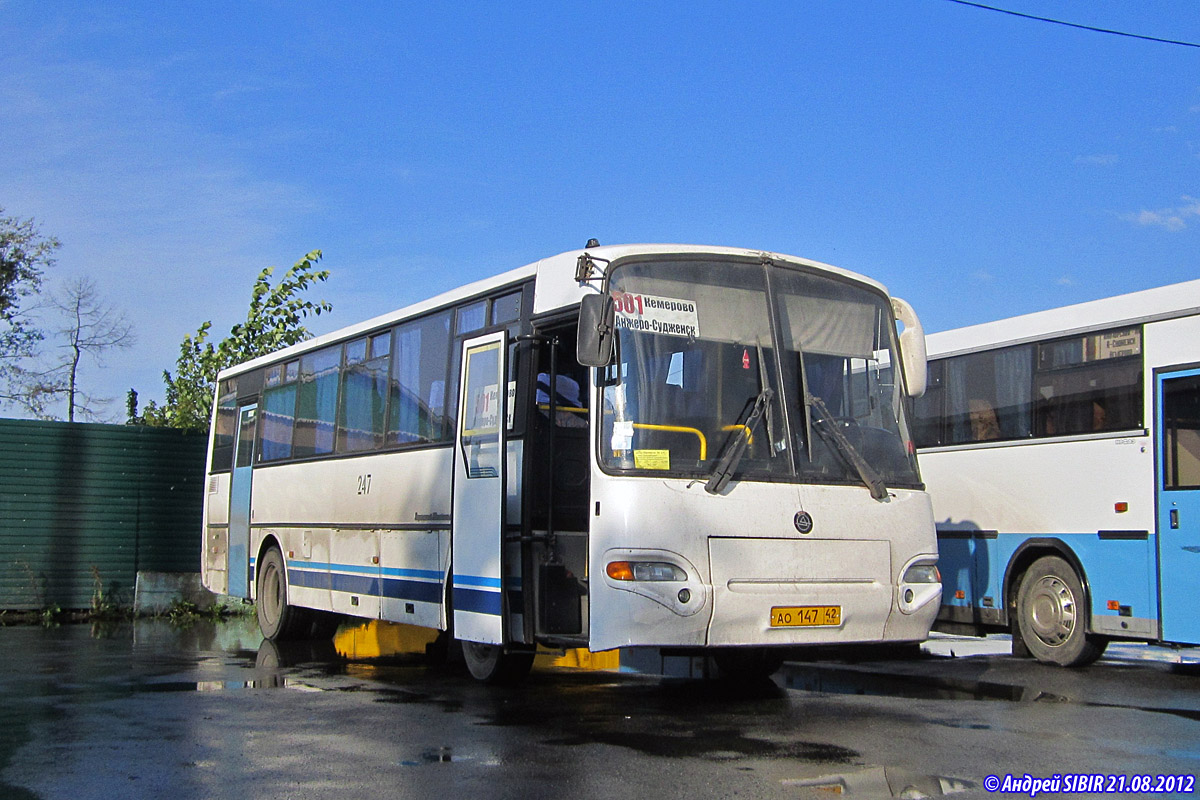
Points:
(81, 503)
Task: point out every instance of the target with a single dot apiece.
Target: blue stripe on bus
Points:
(412, 590)
(476, 580)
(374, 586)
(393, 584)
(477, 601)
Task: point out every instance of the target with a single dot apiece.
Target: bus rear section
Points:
(1061, 451)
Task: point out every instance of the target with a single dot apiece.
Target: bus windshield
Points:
(796, 364)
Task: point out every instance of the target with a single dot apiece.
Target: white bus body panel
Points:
(1042, 487)
(743, 556)
(214, 567)
(366, 536)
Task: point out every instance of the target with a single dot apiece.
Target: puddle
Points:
(841, 680)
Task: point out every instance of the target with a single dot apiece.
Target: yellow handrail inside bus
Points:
(749, 435)
(645, 426)
(573, 410)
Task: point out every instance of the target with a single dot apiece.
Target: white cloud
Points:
(1173, 219)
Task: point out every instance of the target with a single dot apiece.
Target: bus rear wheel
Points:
(277, 620)
(1053, 617)
(488, 663)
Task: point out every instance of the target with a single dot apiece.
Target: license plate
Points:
(805, 616)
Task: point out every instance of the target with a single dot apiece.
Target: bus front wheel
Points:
(277, 620)
(488, 663)
(1053, 617)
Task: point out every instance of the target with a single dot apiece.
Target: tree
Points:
(274, 321)
(92, 327)
(25, 254)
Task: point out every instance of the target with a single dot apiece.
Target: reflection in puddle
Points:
(883, 782)
(446, 755)
(840, 680)
(274, 681)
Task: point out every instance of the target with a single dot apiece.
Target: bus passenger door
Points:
(239, 503)
(477, 526)
(1178, 422)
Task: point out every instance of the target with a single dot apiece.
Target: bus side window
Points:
(226, 427)
(420, 360)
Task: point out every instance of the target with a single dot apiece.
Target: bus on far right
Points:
(1062, 453)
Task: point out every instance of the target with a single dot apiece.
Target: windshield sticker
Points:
(622, 436)
(650, 314)
(652, 459)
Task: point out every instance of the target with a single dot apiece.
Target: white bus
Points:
(717, 459)
(1062, 452)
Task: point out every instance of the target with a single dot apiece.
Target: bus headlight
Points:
(920, 584)
(644, 571)
(922, 573)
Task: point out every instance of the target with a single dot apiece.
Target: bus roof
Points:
(556, 289)
(1163, 302)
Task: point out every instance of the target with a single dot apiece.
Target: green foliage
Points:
(24, 255)
(274, 321)
(104, 602)
(183, 613)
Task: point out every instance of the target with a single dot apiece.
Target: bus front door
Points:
(239, 504)
(480, 465)
(1178, 422)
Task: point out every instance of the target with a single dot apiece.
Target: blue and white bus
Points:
(700, 449)
(1062, 453)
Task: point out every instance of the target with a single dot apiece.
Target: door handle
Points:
(1174, 519)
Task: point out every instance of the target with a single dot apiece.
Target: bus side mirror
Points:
(912, 347)
(594, 346)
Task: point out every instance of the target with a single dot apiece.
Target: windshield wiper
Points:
(736, 444)
(829, 431)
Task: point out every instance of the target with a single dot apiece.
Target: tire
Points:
(1053, 615)
(488, 663)
(277, 620)
(748, 663)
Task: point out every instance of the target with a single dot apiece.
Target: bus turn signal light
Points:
(644, 571)
(1121, 508)
(620, 570)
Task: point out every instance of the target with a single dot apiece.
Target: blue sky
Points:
(978, 164)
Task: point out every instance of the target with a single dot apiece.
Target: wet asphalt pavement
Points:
(152, 711)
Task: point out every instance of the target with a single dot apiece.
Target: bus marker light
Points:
(1114, 605)
(1121, 508)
